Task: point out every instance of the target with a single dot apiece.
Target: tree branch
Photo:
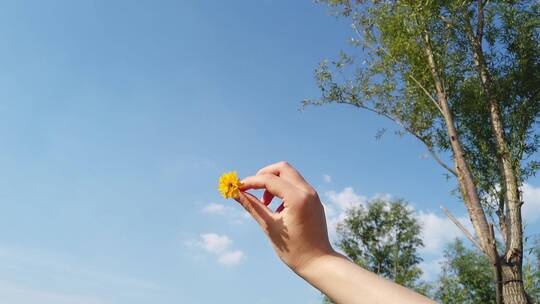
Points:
(426, 92)
(480, 25)
(514, 250)
(410, 131)
(497, 263)
(462, 228)
(467, 184)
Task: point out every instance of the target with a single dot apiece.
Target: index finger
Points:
(288, 172)
(274, 184)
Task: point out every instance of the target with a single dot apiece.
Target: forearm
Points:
(347, 283)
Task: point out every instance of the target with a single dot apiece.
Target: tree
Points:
(383, 237)
(465, 278)
(463, 77)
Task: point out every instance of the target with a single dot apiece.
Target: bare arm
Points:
(345, 282)
(299, 236)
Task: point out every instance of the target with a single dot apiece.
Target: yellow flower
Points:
(229, 184)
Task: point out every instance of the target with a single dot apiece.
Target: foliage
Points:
(531, 271)
(384, 237)
(466, 277)
(389, 75)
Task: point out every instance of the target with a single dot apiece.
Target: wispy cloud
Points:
(346, 198)
(439, 230)
(219, 246)
(44, 266)
(336, 205)
(215, 243)
(327, 178)
(214, 208)
(231, 258)
(16, 294)
(234, 214)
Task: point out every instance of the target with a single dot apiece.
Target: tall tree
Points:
(383, 237)
(463, 77)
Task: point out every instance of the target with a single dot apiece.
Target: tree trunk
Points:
(515, 232)
(469, 192)
(513, 291)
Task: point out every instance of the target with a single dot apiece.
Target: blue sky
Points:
(117, 118)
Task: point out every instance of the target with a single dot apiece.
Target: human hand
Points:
(297, 229)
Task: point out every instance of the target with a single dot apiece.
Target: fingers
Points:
(287, 172)
(267, 197)
(275, 185)
(256, 209)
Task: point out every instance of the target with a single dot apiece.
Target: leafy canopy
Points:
(386, 71)
(383, 237)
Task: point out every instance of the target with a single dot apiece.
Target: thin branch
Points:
(402, 125)
(398, 63)
(493, 220)
(498, 196)
(480, 25)
(439, 161)
(497, 263)
(447, 21)
(426, 92)
(462, 228)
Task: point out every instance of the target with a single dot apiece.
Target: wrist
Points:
(312, 265)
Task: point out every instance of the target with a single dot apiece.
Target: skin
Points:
(297, 231)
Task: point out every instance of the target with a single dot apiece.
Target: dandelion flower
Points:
(229, 184)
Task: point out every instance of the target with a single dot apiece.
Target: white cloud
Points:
(215, 243)
(214, 208)
(219, 245)
(327, 178)
(531, 205)
(232, 258)
(346, 199)
(336, 206)
(234, 214)
(437, 231)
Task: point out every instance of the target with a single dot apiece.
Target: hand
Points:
(297, 229)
